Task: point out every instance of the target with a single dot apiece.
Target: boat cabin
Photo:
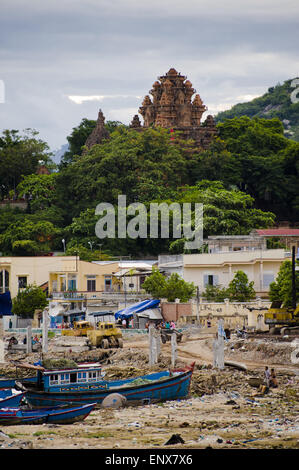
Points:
(83, 377)
(79, 378)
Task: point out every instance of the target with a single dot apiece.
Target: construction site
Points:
(228, 406)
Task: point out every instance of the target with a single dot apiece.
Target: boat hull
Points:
(12, 401)
(170, 388)
(14, 416)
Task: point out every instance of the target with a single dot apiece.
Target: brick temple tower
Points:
(173, 107)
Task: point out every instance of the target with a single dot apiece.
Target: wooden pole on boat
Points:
(45, 330)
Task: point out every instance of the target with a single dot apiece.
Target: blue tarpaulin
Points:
(5, 304)
(136, 308)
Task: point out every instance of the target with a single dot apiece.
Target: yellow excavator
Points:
(285, 320)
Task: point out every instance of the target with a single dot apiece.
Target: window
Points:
(81, 376)
(92, 376)
(72, 284)
(65, 378)
(210, 280)
(91, 285)
(54, 379)
(267, 279)
(4, 281)
(22, 282)
(108, 284)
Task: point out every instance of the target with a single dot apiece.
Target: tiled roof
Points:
(276, 232)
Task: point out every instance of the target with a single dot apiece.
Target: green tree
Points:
(20, 155)
(77, 140)
(215, 293)
(155, 284)
(79, 136)
(39, 190)
(281, 288)
(172, 288)
(225, 212)
(264, 155)
(40, 233)
(29, 300)
(178, 288)
(84, 253)
(240, 289)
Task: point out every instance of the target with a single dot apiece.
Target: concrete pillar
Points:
(218, 347)
(261, 275)
(173, 349)
(151, 331)
(158, 345)
(45, 330)
(229, 273)
(29, 340)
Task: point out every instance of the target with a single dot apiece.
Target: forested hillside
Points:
(280, 101)
(247, 179)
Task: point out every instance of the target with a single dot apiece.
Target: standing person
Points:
(172, 325)
(273, 379)
(267, 377)
(124, 323)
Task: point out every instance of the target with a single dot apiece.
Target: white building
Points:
(261, 267)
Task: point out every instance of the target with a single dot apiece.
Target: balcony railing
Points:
(90, 295)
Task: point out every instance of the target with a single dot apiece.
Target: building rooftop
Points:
(278, 232)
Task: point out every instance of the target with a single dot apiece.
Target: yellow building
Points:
(57, 273)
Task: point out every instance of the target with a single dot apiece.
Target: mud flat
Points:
(223, 409)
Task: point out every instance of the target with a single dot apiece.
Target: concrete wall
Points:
(172, 311)
(234, 314)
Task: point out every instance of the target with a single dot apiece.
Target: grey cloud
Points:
(49, 50)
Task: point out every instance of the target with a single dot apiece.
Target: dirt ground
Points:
(222, 411)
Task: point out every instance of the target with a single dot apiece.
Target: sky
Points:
(62, 61)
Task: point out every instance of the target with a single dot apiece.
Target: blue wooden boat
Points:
(7, 382)
(10, 399)
(86, 384)
(57, 415)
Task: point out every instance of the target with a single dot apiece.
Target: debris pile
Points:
(259, 350)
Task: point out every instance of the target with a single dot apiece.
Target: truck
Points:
(106, 336)
(80, 329)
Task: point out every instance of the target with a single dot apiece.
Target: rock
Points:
(114, 400)
(175, 439)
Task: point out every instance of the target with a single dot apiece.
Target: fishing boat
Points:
(10, 382)
(57, 415)
(86, 384)
(10, 397)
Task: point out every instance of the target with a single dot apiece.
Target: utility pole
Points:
(294, 296)
(2, 360)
